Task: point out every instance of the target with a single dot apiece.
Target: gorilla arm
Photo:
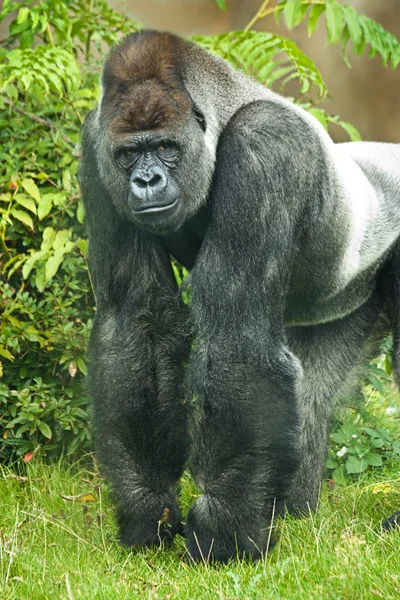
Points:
(242, 376)
(137, 348)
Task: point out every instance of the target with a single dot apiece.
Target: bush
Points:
(48, 82)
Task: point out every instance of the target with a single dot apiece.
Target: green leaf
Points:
(53, 263)
(26, 202)
(293, 13)
(66, 180)
(22, 216)
(30, 186)
(45, 430)
(353, 23)
(40, 279)
(331, 464)
(354, 465)
(80, 213)
(221, 4)
(61, 238)
(83, 247)
(315, 13)
(320, 115)
(334, 20)
(6, 353)
(81, 365)
(23, 15)
(375, 382)
(45, 206)
(48, 237)
(373, 459)
(339, 437)
(30, 263)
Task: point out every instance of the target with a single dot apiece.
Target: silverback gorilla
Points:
(294, 250)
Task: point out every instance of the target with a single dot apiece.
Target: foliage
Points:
(46, 301)
(48, 81)
(343, 24)
(365, 438)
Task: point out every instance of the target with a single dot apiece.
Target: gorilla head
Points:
(158, 166)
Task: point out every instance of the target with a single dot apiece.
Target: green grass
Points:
(57, 548)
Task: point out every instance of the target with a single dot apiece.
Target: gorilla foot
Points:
(215, 534)
(391, 522)
(152, 521)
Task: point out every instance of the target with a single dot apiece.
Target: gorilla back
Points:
(293, 246)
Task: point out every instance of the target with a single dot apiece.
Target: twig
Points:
(40, 120)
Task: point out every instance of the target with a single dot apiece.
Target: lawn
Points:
(57, 541)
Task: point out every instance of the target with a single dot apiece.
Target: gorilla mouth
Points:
(156, 209)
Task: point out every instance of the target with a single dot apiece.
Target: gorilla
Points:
(293, 247)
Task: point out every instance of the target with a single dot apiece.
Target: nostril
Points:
(141, 183)
(155, 180)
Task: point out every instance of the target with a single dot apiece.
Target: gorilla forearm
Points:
(136, 382)
(245, 429)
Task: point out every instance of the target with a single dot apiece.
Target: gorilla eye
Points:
(126, 157)
(200, 118)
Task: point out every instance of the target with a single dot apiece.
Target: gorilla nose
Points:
(148, 182)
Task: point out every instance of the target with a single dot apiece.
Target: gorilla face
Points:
(152, 153)
(159, 189)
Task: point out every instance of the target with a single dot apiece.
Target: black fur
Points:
(290, 291)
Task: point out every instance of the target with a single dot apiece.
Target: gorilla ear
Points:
(200, 118)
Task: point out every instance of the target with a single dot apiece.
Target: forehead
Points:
(143, 87)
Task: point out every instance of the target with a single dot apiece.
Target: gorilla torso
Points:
(365, 222)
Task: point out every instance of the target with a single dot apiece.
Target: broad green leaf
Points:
(45, 429)
(83, 247)
(22, 216)
(45, 206)
(48, 238)
(221, 4)
(6, 353)
(26, 202)
(66, 180)
(30, 186)
(23, 15)
(81, 365)
(53, 263)
(80, 213)
(373, 459)
(40, 279)
(334, 20)
(355, 465)
(30, 263)
(61, 238)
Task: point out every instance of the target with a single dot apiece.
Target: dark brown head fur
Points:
(143, 85)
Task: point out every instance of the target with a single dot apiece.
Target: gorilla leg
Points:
(332, 356)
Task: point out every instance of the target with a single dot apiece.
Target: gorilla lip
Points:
(155, 209)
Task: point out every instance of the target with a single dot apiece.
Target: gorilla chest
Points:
(184, 245)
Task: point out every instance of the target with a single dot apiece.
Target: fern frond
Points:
(267, 57)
